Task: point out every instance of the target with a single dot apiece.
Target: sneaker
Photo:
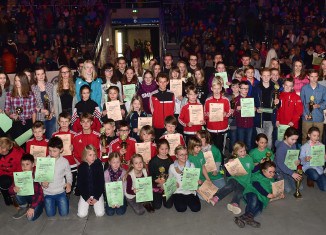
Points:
(238, 221)
(234, 207)
(20, 213)
(251, 222)
(214, 200)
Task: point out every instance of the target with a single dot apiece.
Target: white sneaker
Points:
(234, 208)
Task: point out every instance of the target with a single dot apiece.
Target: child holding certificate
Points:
(146, 88)
(147, 134)
(217, 112)
(215, 176)
(128, 78)
(183, 198)
(283, 171)
(257, 195)
(261, 153)
(30, 205)
(158, 168)
(115, 173)
(136, 170)
(191, 115)
(86, 105)
(38, 146)
(136, 111)
(90, 183)
(236, 183)
(55, 192)
(113, 95)
(313, 171)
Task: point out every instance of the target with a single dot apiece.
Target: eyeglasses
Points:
(244, 89)
(65, 72)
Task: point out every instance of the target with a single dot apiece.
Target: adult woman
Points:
(20, 106)
(4, 89)
(156, 69)
(322, 73)
(299, 76)
(89, 77)
(43, 92)
(64, 93)
(10, 155)
(136, 64)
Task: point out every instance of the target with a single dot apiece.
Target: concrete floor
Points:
(287, 216)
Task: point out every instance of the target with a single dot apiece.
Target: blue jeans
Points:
(119, 211)
(289, 182)
(53, 201)
(50, 127)
(245, 135)
(24, 200)
(220, 183)
(231, 186)
(320, 179)
(254, 206)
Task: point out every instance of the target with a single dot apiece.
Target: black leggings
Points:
(182, 201)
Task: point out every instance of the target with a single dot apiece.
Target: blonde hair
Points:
(83, 74)
(6, 143)
(179, 148)
(134, 98)
(131, 166)
(217, 81)
(88, 147)
(192, 143)
(237, 146)
(147, 129)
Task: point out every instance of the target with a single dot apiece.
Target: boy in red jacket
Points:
(161, 103)
(217, 126)
(190, 128)
(38, 146)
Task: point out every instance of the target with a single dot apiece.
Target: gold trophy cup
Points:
(311, 107)
(268, 156)
(124, 145)
(103, 142)
(47, 106)
(162, 174)
(276, 94)
(297, 193)
(19, 110)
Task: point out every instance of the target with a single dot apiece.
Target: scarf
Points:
(115, 176)
(179, 169)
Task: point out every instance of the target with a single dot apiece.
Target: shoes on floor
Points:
(234, 207)
(20, 213)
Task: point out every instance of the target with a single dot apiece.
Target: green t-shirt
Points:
(258, 155)
(198, 161)
(265, 182)
(217, 158)
(248, 165)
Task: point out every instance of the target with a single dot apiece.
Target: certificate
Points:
(114, 193)
(278, 189)
(176, 87)
(114, 110)
(210, 162)
(196, 114)
(190, 178)
(38, 151)
(129, 91)
(235, 168)
(317, 155)
(224, 76)
(316, 60)
(290, 158)
(45, 169)
(207, 190)
(66, 139)
(5, 122)
(266, 110)
(24, 137)
(280, 131)
(24, 180)
(247, 107)
(144, 149)
(144, 189)
(170, 186)
(174, 141)
(216, 112)
(143, 121)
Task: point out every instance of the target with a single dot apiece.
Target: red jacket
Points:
(221, 125)
(184, 119)
(70, 158)
(290, 109)
(162, 105)
(10, 163)
(81, 140)
(115, 146)
(43, 142)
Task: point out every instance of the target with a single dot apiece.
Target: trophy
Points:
(19, 110)
(47, 106)
(103, 142)
(268, 156)
(162, 174)
(297, 193)
(124, 145)
(311, 107)
(276, 93)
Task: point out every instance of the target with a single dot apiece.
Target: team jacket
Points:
(115, 146)
(162, 105)
(290, 109)
(70, 158)
(184, 119)
(43, 142)
(220, 126)
(81, 140)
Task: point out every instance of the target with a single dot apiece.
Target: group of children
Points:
(90, 164)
